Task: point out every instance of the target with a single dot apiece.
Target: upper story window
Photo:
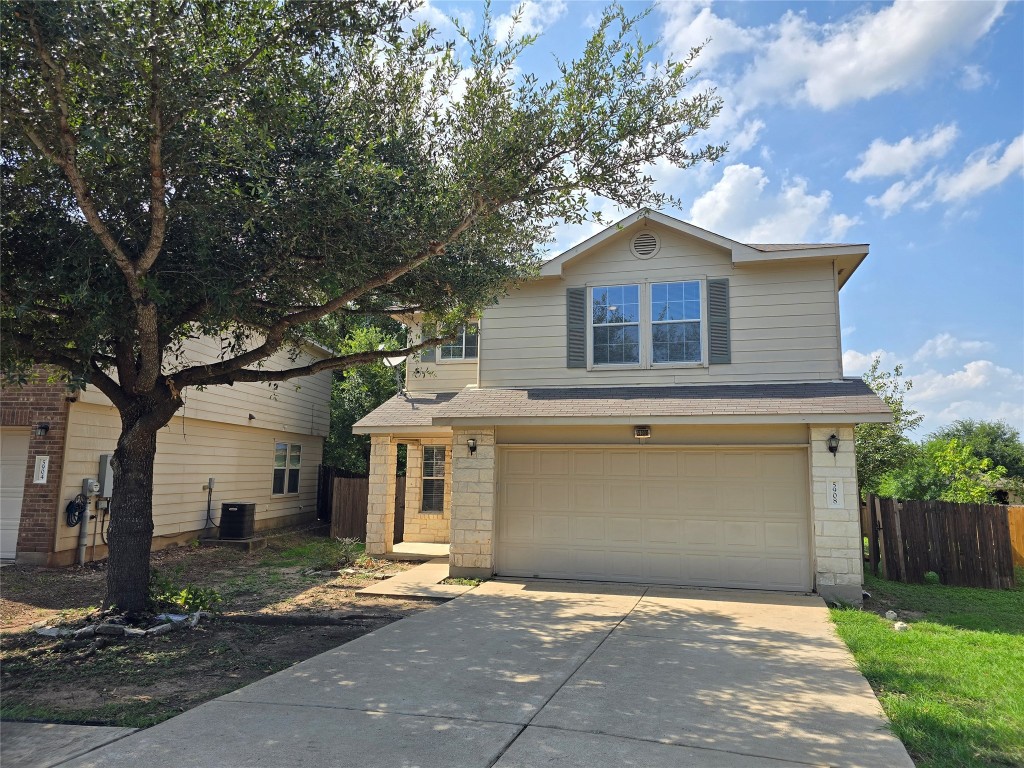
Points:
(615, 313)
(465, 347)
(675, 322)
(648, 324)
(287, 462)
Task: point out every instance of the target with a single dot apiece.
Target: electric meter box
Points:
(106, 476)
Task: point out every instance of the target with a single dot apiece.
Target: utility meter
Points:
(90, 486)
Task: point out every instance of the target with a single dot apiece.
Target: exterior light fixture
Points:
(252, 417)
(832, 443)
(471, 444)
(41, 429)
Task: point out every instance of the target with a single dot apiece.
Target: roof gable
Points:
(847, 255)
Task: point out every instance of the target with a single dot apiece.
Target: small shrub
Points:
(932, 578)
(164, 595)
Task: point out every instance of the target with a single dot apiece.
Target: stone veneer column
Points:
(838, 547)
(472, 504)
(380, 508)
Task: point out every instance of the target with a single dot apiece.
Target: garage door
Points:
(13, 456)
(717, 518)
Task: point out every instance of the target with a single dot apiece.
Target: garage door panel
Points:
(13, 463)
(660, 531)
(739, 497)
(781, 499)
(659, 496)
(729, 518)
(554, 528)
(625, 530)
(742, 534)
(520, 463)
(588, 463)
(661, 464)
(624, 495)
(553, 496)
(627, 565)
(737, 465)
(587, 528)
(785, 537)
(518, 494)
(517, 527)
(702, 533)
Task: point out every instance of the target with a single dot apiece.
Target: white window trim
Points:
(287, 468)
(646, 324)
(461, 360)
(443, 478)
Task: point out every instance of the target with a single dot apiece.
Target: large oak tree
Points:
(254, 168)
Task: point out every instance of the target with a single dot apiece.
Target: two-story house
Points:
(660, 405)
(260, 443)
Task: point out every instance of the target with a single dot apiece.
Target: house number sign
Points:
(834, 489)
(42, 468)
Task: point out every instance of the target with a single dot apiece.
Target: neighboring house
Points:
(655, 407)
(261, 443)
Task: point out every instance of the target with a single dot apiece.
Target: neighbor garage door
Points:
(708, 517)
(13, 455)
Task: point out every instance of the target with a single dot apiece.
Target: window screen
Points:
(433, 478)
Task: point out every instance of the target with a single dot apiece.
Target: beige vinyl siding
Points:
(300, 405)
(446, 376)
(783, 320)
(189, 451)
(661, 434)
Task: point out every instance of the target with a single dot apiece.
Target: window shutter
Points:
(576, 328)
(719, 347)
(428, 354)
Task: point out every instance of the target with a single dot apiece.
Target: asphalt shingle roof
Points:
(848, 396)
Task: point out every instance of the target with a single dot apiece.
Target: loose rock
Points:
(901, 626)
(114, 630)
(161, 629)
(133, 632)
(890, 615)
(86, 632)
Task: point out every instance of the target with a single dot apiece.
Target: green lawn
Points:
(953, 684)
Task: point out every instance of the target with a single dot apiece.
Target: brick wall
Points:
(472, 504)
(35, 403)
(432, 528)
(838, 549)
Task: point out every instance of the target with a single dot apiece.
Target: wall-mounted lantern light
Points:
(41, 429)
(252, 417)
(471, 444)
(832, 443)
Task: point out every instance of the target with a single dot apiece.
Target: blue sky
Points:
(896, 124)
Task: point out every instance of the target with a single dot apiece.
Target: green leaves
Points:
(882, 448)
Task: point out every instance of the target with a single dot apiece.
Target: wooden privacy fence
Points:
(1016, 515)
(967, 545)
(349, 505)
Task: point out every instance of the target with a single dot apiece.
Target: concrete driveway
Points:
(534, 673)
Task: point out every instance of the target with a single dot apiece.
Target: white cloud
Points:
(947, 345)
(865, 54)
(535, 17)
(839, 225)
(689, 24)
(899, 194)
(747, 138)
(980, 389)
(973, 77)
(905, 156)
(983, 170)
(742, 206)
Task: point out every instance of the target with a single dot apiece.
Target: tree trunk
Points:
(131, 507)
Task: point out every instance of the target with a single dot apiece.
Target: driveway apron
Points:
(533, 673)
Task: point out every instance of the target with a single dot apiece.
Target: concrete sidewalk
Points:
(45, 745)
(422, 581)
(529, 673)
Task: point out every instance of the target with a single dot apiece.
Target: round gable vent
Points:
(645, 245)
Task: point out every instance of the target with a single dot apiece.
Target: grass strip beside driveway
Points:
(953, 683)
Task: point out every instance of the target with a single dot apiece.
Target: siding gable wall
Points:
(784, 324)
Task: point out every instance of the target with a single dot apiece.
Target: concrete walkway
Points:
(45, 745)
(421, 581)
(529, 673)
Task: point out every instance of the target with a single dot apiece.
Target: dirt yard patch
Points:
(280, 605)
